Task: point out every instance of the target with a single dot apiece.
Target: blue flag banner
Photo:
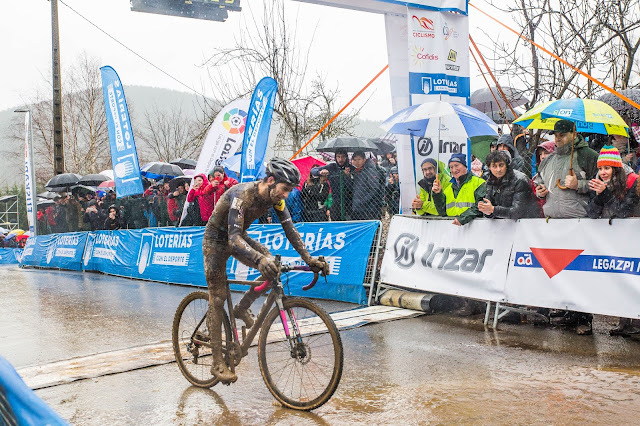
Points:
(124, 157)
(63, 251)
(254, 144)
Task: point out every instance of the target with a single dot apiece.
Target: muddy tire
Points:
(302, 375)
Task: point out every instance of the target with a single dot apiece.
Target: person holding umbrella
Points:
(563, 178)
(340, 175)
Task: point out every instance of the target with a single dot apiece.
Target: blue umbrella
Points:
(453, 120)
(159, 170)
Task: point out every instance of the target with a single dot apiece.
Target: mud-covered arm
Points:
(291, 232)
(236, 230)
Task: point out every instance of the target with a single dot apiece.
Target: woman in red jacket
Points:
(219, 182)
(199, 192)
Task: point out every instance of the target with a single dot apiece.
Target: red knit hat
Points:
(609, 156)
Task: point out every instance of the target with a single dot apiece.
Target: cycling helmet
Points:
(284, 171)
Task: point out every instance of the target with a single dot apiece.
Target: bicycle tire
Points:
(187, 317)
(290, 376)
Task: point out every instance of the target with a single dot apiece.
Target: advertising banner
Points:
(63, 251)
(124, 157)
(434, 255)
(438, 56)
(28, 175)
(584, 265)
(223, 138)
(10, 256)
(254, 145)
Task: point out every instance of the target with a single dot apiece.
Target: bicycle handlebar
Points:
(289, 268)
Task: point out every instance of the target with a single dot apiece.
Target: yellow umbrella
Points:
(17, 232)
(590, 116)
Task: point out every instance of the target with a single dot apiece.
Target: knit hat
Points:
(609, 156)
(429, 160)
(458, 158)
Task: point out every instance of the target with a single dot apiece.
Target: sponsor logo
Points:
(420, 56)
(451, 67)
(51, 252)
(422, 27)
(601, 115)
(448, 31)
(235, 121)
(453, 55)
(564, 112)
(148, 253)
(404, 250)
(554, 261)
(313, 241)
(425, 146)
(439, 84)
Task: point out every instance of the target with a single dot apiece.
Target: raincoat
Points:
(426, 185)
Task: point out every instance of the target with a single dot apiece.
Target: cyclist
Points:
(226, 235)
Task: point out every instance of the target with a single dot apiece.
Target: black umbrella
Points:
(348, 143)
(484, 101)
(46, 203)
(184, 163)
(502, 118)
(93, 180)
(48, 195)
(383, 145)
(160, 170)
(177, 181)
(622, 106)
(83, 189)
(63, 180)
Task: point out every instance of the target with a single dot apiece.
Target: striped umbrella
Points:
(590, 116)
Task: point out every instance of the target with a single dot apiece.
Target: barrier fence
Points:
(586, 265)
(174, 255)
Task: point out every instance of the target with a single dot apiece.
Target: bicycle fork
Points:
(295, 340)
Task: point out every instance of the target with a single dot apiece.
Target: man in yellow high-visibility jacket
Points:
(460, 199)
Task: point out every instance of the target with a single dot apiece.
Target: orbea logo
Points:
(425, 23)
(554, 261)
(235, 121)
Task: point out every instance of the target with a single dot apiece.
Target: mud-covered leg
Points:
(242, 309)
(215, 263)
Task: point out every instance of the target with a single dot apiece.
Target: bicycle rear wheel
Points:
(301, 373)
(188, 334)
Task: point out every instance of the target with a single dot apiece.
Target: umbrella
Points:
(21, 237)
(189, 172)
(349, 143)
(304, 164)
(10, 237)
(48, 195)
(107, 184)
(107, 173)
(498, 117)
(622, 106)
(93, 180)
(483, 99)
(178, 180)
(17, 232)
(159, 170)
(184, 163)
(590, 116)
(481, 146)
(46, 203)
(63, 180)
(453, 119)
(83, 189)
(384, 145)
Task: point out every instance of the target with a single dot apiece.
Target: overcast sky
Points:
(349, 47)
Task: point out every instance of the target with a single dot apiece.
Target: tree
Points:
(268, 46)
(170, 134)
(584, 33)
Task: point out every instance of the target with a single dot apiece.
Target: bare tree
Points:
(267, 46)
(584, 33)
(170, 134)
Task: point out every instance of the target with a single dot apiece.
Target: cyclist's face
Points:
(280, 192)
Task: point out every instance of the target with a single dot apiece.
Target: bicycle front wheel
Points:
(303, 371)
(191, 342)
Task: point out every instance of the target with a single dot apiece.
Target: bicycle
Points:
(300, 356)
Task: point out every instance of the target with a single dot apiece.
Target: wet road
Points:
(427, 370)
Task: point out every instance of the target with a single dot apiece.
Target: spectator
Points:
(94, 217)
(461, 197)
(340, 175)
(60, 214)
(367, 189)
(623, 145)
(392, 193)
(424, 204)
(509, 193)
(135, 212)
(219, 182)
(294, 205)
(175, 202)
(615, 191)
(113, 221)
(505, 143)
(570, 202)
(314, 197)
(43, 226)
(542, 151)
(205, 202)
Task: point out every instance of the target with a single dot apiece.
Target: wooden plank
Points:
(122, 360)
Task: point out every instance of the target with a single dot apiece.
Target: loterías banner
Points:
(256, 137)
(124, 157)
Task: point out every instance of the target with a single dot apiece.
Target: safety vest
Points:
(456, 204)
